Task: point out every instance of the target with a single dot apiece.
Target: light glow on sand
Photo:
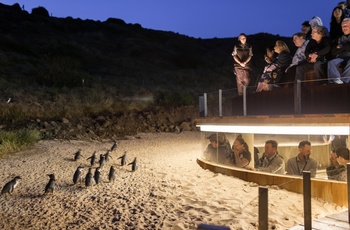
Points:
(273, 129)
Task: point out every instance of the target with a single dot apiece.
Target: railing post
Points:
(307, 199)
(297, 97)
(348, 180)
(244, 100)
(263, 208)
(220, 102)
(205, 104)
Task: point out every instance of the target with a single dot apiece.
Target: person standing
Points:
(242, 54)
(302, 162)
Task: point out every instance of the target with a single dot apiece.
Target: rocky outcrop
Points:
(119, 125)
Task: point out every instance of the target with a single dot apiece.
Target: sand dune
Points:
(167, 191)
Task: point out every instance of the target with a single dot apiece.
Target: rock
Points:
(65, 121)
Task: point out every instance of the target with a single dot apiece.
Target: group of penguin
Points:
(89, 179)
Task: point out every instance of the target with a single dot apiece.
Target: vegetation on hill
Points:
(54, 68)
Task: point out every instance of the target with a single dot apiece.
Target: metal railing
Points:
(219, 103)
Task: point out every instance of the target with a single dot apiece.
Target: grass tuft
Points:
(15, 140)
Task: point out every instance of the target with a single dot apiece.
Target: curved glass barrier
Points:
(220, 148)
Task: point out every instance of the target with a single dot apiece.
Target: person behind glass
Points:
(317, 52)
(242, 54)
(271, 161)
(334, 169)
(219, 149)
(335, 30)
(302, 162)
(335, 141)
(276, 71)
(241, 154)
(340, 57)
(299, 57)
(306, 29)
(342, 155)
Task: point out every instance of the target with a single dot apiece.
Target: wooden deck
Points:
(338, 221)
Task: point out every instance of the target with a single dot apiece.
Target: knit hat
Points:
(217, 137)
(315, 21)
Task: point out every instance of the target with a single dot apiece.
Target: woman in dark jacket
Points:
(275, 74)
(317, 52)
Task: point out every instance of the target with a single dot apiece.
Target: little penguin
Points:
(98, 176)
(107, 155)
(11, 185)
(51, 184)
(123, 159)
(111, 174)
(78, 175)
(92, 159)
(133, 165)
(102, 160)
(114, 147)
(77, 155)
(89, 179)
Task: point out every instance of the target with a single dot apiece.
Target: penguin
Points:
(77, 177)
(98, 176)
(51, 184)
(77, 155)
(102, 160)
(92, 159)
(114, 147)
(123, 159)
(11, 185)
(111, 174)
(107, 156)
(89, 179)
(133, 165)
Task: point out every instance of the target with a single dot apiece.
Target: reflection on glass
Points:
(217, 148)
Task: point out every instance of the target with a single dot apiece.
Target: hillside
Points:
(55, 68)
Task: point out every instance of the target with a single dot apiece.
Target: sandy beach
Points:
(169, 190)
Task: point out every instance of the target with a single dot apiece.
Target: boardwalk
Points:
(338, 221)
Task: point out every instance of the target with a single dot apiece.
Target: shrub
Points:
(15, 140)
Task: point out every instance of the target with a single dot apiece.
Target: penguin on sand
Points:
(98, 176)
(78, 175)
(77, 155)
(92, 159)
(11, 185)
(102, 160)
(89, 179)
(51, 185)
(123, 159)
(107, 155)
(133, 165)
(111, 174)
(114, 147)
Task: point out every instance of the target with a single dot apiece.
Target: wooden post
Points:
(307, 199)
(263, 208)
(348, 181)
(220, 102)
(244, 100)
